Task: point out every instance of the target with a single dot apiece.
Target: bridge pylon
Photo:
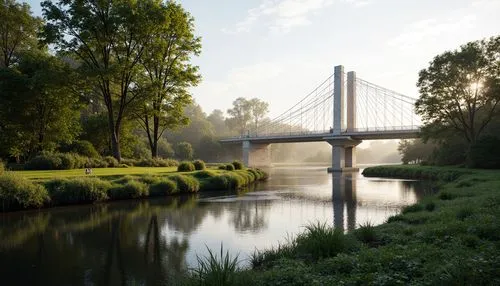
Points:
(343, 147)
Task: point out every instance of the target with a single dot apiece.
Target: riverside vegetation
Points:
(450, 238)
(19, 192)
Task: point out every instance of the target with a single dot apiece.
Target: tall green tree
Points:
(259, 109)
(168, 74)
(240, 115)
(40, 105)
(460, 90)
(109, 39)
(18, 30)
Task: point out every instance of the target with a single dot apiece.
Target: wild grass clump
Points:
(366, 233)
(430, 206)
(222, 167)
(149, 179)
(77, 191)
(234, 181)
(186, 184)
(199, 165)
(230, 167)
(162, 188)
(185, 166)
(17, 192)
(2, 168)
(412, 208)
(131, 190)
(216, 270)
(321, 241)
(237, 165)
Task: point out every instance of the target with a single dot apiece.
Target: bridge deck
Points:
(295, 137)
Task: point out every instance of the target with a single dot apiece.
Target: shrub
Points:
(366, 233)
(17, 192)
(84, 148)
(97, 163)
(186, 184)
(185, 167)
(199, 165)
(149, 179)
(237, 165)
(44, 161)
(430, 206)
(204, 174)
(412, 208)
(234, 181)
(131, 190)
(163, 188)
(221, 167)
(230, 167)
(217, 183)
(74, 191)
(2, 168)
(111, 161)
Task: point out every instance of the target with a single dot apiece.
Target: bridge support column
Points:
(256, 154)
(343, 154)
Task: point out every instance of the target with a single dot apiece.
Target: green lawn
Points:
(97, 172)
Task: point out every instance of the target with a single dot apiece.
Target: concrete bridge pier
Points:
(255, 155)
(343, 154)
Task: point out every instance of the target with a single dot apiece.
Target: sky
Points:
(279, 50)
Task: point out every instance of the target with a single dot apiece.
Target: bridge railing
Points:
(408, 128)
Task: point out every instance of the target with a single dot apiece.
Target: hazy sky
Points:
(278, 50)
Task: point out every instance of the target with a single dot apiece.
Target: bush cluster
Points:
(76, 191)
(156, 162)
(186, 184)
(131, 190)
(80, 147)
(238, 165)
(230, 167)
(63, 161)
(199, 165)
(185, 166)
(2, 168)
(17, 192)
(163, 187)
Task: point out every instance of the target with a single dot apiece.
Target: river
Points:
(151, 241)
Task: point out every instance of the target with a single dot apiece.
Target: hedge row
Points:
(17, 192)
(415, 172)
(67, 161)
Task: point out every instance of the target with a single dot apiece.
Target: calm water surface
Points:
(151, 241)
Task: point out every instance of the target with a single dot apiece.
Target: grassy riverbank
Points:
(451, 238)
(35, 189)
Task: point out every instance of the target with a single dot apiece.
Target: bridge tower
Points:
(343, 147)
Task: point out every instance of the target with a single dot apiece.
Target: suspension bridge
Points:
(343, 110)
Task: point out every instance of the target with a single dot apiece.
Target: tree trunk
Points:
(115, 139)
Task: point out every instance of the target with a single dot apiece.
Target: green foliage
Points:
(77, 191)
(186, 167)
(215, 270)
(205, 174)
(238, 165)
(17, 192)
(155, 162)
(80, 147)
(184, 151)
(415, 172)
(186, 184)
(131, 190)
(485, 153)
(222, 167)
(199, 165)
(230, 167)
(111, 161)
(366, 233)
(430, 206)
(42, 110)
(2, 168)
(320, 241)
(459, 92)
(19, 31)
(412, 208)
(163, 187)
